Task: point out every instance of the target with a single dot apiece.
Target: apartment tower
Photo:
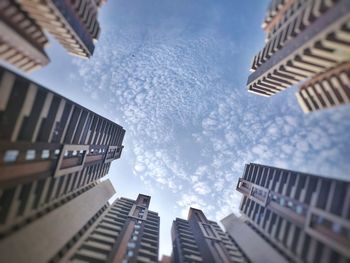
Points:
(306, 218)
(198, 239)
(22, 40)
(256, 249)
(125, 232)
(73, 23)
(307, 42)
(52, 150)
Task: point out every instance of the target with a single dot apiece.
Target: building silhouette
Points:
(198, 239)
(306, 218)
(73, 23)
(51, 150)
(306, 42)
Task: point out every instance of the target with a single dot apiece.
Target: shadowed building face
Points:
(305, 41)
(304, 217)
(51, 150)
(198, 239)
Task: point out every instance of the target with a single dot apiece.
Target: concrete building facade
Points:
(306, 218)
(22, 40)
(125, 231)
(254, 246)
(47, 234)
(198, 239)
(51, 150)
(306, 40)
(73, 23)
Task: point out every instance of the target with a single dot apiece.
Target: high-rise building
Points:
(51, 150)
(198, 239)
(73, 22)
(306, 218)
(51, 235)
(127, 232)
(306, 40)
(248, 240)
(21, 39)
(87, 229)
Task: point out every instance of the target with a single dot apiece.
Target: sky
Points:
(173, 74)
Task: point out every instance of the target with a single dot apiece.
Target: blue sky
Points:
(173, 73)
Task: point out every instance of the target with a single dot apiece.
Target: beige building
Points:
(73, 23)
(22, 40)
(306, 218)
(255, 247)
(307, 42)
(198, 239)
(48, 237)
(51, 150)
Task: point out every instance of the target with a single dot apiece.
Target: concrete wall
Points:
(254, 246)
(41, 240)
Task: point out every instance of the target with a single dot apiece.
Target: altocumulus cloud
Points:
(191, 129)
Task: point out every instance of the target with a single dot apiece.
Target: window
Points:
(131, 245)
(282, 201)
(30, 155)
(299, 209)
(10, 156)
(336, 228)
(45, 154)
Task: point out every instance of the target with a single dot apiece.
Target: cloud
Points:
(191, 127)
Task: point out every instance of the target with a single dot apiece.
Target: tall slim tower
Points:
(52, 150)
(306, 41)
(198, 239)
(305, 217)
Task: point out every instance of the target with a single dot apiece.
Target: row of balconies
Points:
(26, 202)
(326, 90)
(69, 123)
(288, 12)
(327, 45)
(306, 14)
(87, 11)
(20, 29)
(63, 22)
(273, 9)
